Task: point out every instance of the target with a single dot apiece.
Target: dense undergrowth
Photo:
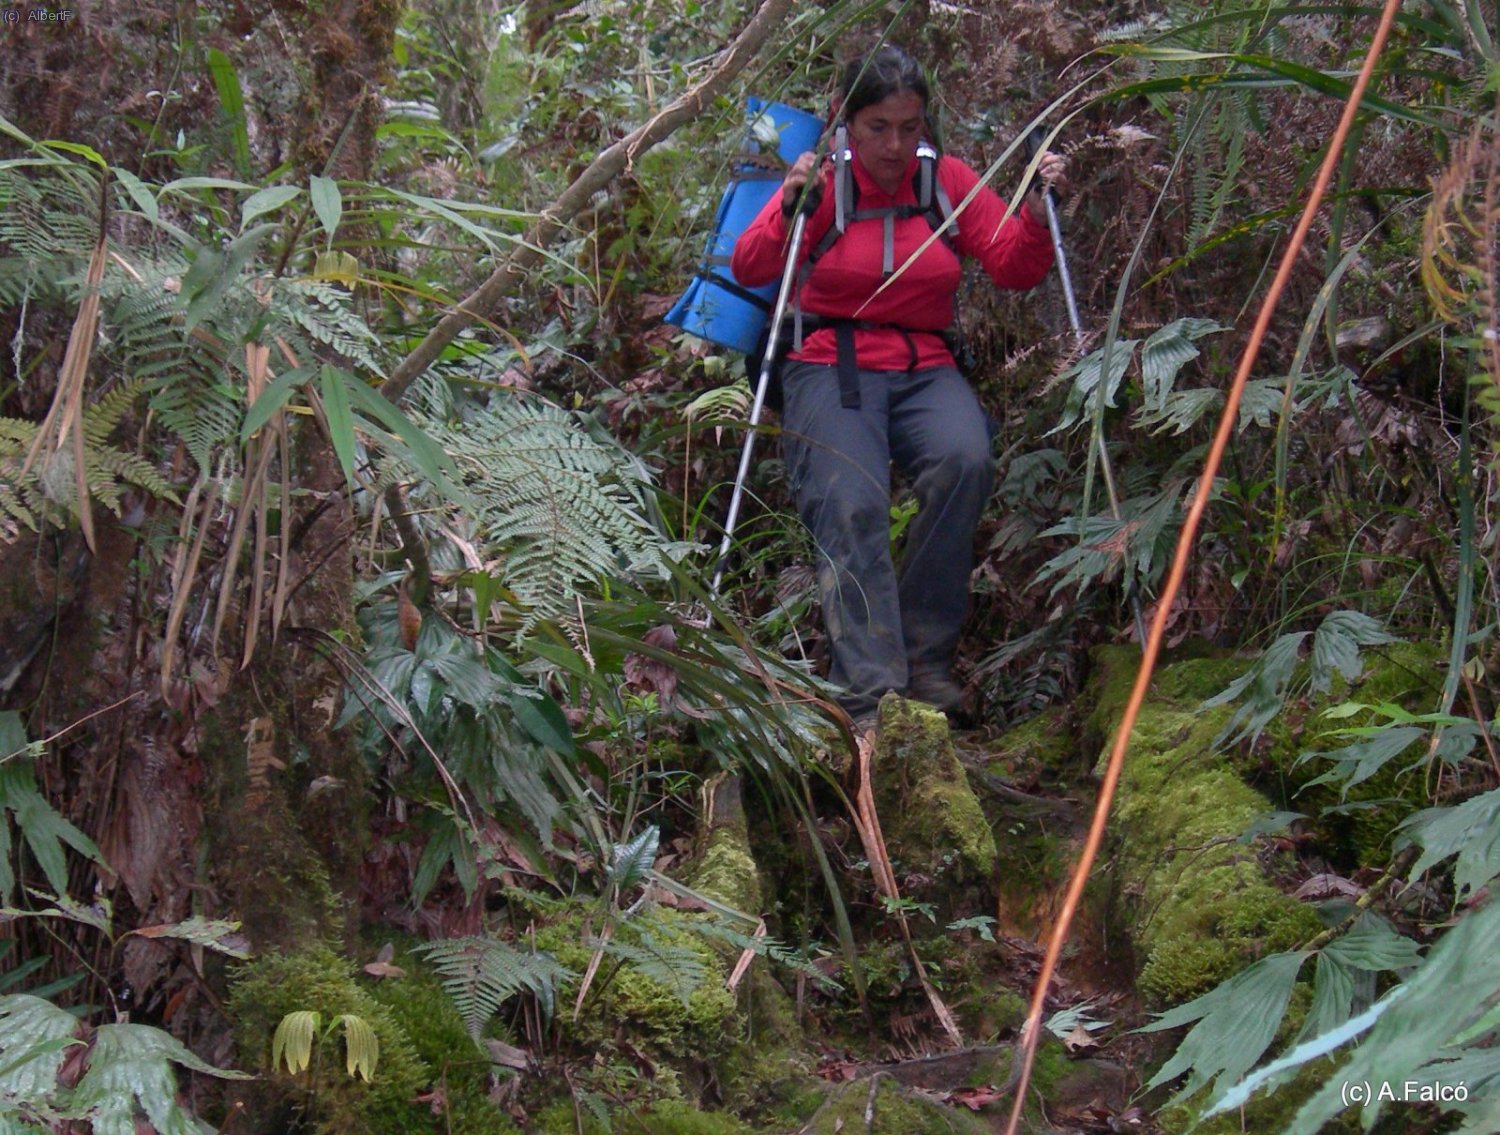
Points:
(518, 780)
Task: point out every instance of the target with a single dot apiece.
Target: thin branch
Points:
(610, 163)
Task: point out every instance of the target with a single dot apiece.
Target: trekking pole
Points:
(1033, 144)
(788, 275)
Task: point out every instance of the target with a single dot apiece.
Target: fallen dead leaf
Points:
(976, 1098)
(1079, 1039)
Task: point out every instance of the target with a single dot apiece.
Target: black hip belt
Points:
(848, 362)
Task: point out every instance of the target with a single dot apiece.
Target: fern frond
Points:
(481, 974)
(678, 969)
(766, 947)
(324, 314)
(559, 508)
(48, 489)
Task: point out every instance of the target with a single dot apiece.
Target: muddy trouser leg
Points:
(940, 442)
(838, 460)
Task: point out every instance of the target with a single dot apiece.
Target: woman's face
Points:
(885, 136)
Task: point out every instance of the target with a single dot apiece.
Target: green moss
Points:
(892, 1112)
(1044, 742)
(931, 818)
(1199, 905)
(984, 1014)
(663, 1117)
(426, 1016)
(626, 997)
(1399, 674)
(727, 871)
(317, 979)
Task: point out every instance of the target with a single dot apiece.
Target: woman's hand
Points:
(795, 181)
(1051, 175)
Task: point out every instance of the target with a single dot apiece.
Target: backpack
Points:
(931, 203)
(716, 307)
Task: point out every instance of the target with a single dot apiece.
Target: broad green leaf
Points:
(86, 152)
(130, 1067)
(1372, 945)
(1346, 969)
(1165, 353)
(444, 846)
(266, 201)
(327, 203)
(1311, 1049)
(17, 974)
(361, 1046)
(188, 184)
(13, 739)
(214, 273)
(138, 192)
(631, 861)
(27, 1022)
(1356, 763)
(542, 718)
(428, 456)
(1454, 987)
(1269, 823)
(1336, 647)
(293, 1040)
(334, 387)
(1260, 403)
(1087, 375)
(468, 680)
(271, 399)
(1470, 830)
(45, 830)
(1180, 411)
(232, 99)
(1333, 997)
(1264, 687)
(1236, 1023)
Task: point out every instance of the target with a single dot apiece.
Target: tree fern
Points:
(481, 974)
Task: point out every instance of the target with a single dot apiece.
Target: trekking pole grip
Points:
(1036, 140)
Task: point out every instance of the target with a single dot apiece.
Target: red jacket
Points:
(1016, 251)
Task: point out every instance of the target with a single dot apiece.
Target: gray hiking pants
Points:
(882, 623)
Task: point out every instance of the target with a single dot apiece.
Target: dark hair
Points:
(885, 71)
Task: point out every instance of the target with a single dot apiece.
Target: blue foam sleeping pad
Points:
(714, 306)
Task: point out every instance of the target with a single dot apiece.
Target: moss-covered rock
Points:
(932, 820)
(660, 984)
(1199, 905)
(663, 1117)
(890, 1111)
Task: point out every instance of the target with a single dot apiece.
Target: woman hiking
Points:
(871, 379)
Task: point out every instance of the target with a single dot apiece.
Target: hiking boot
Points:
(936, 687)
